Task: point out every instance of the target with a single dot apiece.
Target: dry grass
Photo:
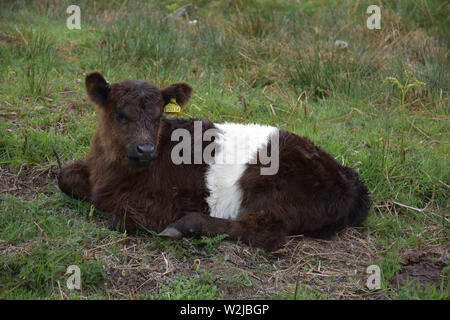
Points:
(336, 266)
(25, 185)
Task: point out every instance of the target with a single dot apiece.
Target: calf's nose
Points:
(145, 149)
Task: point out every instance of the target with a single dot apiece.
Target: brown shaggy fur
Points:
(311, 193)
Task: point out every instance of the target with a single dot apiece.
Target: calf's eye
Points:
(120, 116)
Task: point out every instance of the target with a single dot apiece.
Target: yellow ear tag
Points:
(172, 107)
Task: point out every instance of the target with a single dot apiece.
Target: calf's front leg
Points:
(73, 180)
(261, 229)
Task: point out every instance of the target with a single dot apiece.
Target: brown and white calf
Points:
(130, 174)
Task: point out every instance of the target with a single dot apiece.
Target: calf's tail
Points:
(360, 210)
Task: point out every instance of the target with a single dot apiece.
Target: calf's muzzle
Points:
(141, 154)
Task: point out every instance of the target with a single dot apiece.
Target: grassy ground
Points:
(272, 62)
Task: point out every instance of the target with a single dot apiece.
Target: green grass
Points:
(267, 61)
(45, 236)
(198, 287)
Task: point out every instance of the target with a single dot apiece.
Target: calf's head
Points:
(130, 117)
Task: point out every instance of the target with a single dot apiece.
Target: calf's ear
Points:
(181, 91)
(97, 88)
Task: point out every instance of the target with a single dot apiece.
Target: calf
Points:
(130, 173)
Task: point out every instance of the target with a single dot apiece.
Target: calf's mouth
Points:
(141, 155)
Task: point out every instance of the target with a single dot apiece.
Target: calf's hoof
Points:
(171, 232)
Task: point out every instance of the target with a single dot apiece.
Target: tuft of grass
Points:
(197, 287)
(410, 83)
(209, 244)
(38, 61)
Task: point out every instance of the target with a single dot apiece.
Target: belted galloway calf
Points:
(192, 177)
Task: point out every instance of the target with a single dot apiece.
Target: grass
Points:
(410, 83)
(200, 286)
(267, 61)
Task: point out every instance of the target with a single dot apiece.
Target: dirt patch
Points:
(421, 268)
(335, 268)
(26, 185)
